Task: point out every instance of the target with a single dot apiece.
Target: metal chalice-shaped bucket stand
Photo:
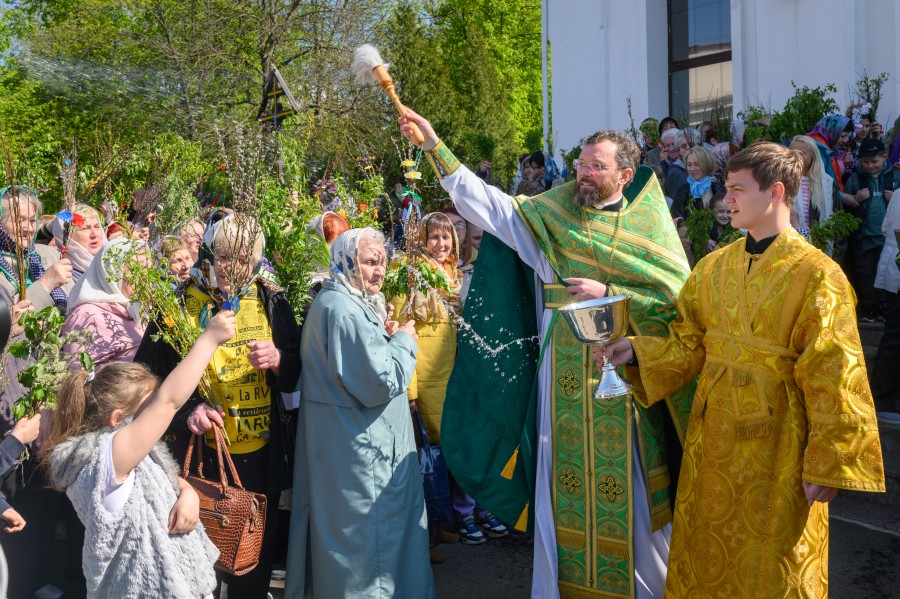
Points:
(600, 322)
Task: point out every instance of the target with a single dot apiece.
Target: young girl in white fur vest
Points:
(142, 534)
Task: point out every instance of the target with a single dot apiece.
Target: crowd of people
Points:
(734, 402)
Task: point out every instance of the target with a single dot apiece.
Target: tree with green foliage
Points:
(802, 111)
(473, 67)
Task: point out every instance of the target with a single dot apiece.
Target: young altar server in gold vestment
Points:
(782, 417)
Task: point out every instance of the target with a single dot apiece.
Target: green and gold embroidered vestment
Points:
(487, 416)
(637, 252)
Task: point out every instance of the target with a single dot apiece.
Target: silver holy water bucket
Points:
(600, 322)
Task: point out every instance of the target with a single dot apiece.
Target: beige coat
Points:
(40, 297)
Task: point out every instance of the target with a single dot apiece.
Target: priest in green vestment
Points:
(521, 430)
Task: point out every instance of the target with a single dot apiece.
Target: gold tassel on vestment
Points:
(757, 428)
(510, 467)
(522, 523)
(614, 550)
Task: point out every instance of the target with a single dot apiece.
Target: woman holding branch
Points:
(358, 527)
(83, 239)
(46, 276)
(46, 280)
(246, 376)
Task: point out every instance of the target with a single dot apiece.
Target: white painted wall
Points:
(775, 42)
(603, 51)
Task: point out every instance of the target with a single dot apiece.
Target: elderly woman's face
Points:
(27, 225)
(180, 265)
(671, 149)
(89, 235)
(371, 260)
(230, 265)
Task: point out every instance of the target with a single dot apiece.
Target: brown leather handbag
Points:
(234, 518)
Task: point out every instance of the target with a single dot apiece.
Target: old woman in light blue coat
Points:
(358, 527)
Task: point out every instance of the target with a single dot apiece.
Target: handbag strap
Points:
(196, 440)
(224, 456)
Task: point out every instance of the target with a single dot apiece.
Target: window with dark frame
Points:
(699, 59)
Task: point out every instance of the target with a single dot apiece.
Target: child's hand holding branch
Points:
(134, 442)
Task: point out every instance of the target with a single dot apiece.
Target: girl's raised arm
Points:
(134, 442)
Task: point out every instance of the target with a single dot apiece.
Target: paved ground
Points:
(864, 559)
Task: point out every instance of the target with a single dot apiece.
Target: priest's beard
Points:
(591, 196)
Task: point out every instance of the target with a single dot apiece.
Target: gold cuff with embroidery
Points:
(442, 160)
(555, 296)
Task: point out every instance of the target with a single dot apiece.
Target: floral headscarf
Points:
(79, 256)
(829, 129)
(345, 269)
(828, 133)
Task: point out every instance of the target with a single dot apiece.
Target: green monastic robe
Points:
(489, 422)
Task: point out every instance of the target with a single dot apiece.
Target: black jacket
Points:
(162, 358)
(682, 199)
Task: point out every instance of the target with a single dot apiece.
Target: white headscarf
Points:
(102, 281)
(345, 269)
(80, 257)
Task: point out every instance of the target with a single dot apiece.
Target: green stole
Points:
(638, 252)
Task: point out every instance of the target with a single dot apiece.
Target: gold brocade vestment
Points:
(783, 398)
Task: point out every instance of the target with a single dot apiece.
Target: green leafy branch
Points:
(868, 89)
(426, 277)
(296, 254)
(802, 111)
(699, 222)
(43, 346)
(837, 226)
(152, 290)
(728, 236)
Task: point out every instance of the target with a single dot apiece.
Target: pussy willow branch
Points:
(12, 192)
